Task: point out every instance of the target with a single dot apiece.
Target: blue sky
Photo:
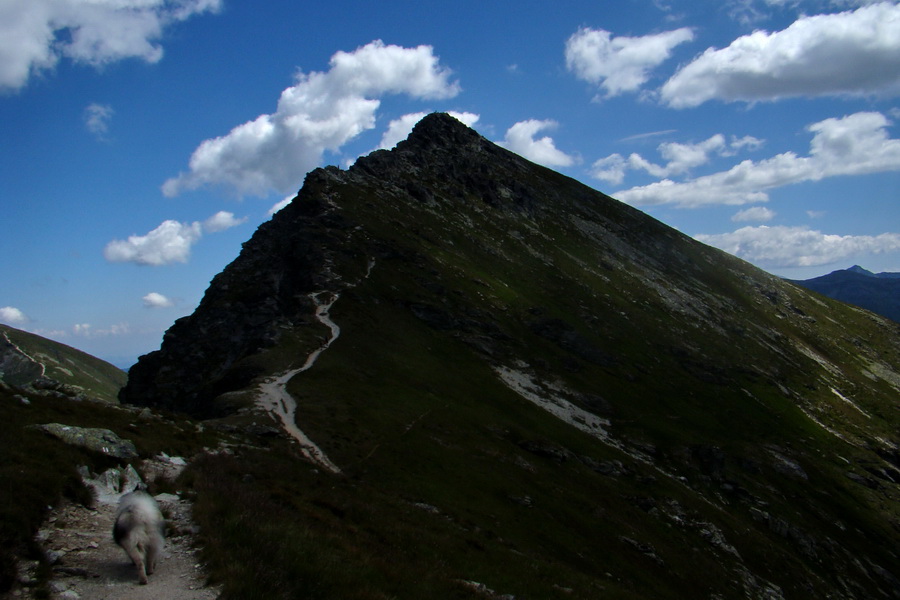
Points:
(144, 140)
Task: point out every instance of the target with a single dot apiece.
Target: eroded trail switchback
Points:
(274, 398)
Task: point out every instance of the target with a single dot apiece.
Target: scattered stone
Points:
(167, 498)
(787, 466)
(485, 590)
(547, 449)
(866, 481)
(645, 549)
(525, 500)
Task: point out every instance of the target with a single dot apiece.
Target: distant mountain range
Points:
(878, 292)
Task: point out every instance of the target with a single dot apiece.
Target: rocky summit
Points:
(463, 375)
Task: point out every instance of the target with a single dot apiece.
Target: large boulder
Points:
(96, 439)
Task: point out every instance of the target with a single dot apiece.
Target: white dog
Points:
(139, 530)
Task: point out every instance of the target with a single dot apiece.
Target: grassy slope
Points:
(439, 485)
(69, 366)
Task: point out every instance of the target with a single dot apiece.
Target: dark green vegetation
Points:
(30, 360)
(878, 292)
(535, 388)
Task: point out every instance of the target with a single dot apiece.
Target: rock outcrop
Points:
(96, 439)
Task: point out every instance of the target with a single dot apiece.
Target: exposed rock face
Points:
(573, 348)
(96, 439)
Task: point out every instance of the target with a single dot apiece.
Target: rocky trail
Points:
(277, 401)
(87, 564)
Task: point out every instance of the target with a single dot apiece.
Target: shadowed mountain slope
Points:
(878, 292)
(510, 384)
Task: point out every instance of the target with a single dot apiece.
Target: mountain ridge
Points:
(29, 360)
(517, 348)
(878, 292)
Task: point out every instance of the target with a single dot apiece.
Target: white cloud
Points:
(852, 53)
(35, 34)
(13, 316)
(856, 144)
(748, 141)
(281, 204)
(96, 119)
(775, 247)
(399, 129)
(619, 64)
(610, 169)
(520, 139)
(221, 221)
(157, 300)
(86, 330)
(680, 158)
(649, 134)
(169, 243)
(322, 112)
(754, 213)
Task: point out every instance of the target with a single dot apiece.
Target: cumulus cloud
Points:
(399, 129)
(36, 34)
(321, 112)
(680, 158)
(169, 243)
(775, 247)
(157, 300)
(520, 138)
(96, 119)
(221, 221)
(12, 316)
(856, 144)
(619, 64)
(280, 204)
(849, 53)
(754, 213)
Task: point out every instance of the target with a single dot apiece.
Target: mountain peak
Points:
(858, 269)
(440, 129)
(449, 324)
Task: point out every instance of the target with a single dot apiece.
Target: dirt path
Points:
(86, 562)
(274, 398)
(92, 567)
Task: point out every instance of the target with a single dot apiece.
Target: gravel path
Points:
(92, 567)
(274, 398)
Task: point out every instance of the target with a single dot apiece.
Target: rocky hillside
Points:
(463, 375)
(28, 360)
(878, 292)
